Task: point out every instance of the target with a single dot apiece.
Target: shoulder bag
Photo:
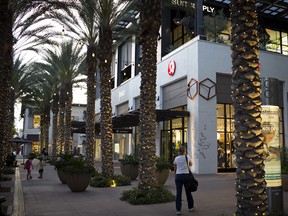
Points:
(191, 183)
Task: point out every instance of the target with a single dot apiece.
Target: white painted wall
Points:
(201, 59)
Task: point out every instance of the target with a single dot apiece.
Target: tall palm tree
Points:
(82, 27)
(49, 69)
(150, 20)
(65, 65)
(96, 18)
(106, 14)
(38, 100)
(10, 10)
(246, 94)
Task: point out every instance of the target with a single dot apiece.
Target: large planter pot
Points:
(162, 176)
(130, 170)
(78, 182)
(61, 176)
(285, 182)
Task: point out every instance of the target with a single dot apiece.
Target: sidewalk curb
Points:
(18, 202)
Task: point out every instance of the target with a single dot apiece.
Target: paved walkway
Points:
(48, 196)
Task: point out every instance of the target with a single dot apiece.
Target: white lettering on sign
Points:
(187, 4)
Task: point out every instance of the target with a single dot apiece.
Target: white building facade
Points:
(194, 78)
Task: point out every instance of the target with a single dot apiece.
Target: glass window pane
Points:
(284, 38)
(220, 110)
(274, 42)
(220, 125)
(177, 123)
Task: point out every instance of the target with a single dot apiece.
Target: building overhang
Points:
(122, 122)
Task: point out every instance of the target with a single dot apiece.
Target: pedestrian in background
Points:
(181, 169)
(41, 168)
(28, 166)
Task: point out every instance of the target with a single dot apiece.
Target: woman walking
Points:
(182, 165)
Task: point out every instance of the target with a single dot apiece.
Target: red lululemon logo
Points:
(171, 67)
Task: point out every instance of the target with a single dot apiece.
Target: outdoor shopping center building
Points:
(193, 100)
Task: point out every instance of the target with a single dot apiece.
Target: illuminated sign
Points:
(189, 4)
(270, 130)
(171, 67)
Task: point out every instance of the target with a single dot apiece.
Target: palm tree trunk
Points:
(246, 94)
(42, 132)
(46, 125)
(68, 108)
(55, 109)
(105, 57)
(61, 132)
(6, 58)
(150, 19)
(91, 97)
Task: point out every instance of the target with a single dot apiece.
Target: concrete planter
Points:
(162, 176)
(61, 176)
(130, 170)
(78, 182)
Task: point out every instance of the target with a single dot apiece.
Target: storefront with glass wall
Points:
(204, 62)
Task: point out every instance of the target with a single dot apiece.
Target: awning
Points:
(20, 140)
(131, 119)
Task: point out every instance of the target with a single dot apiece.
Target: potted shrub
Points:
(163, 166)
(129, 166)
(60, 162)
(78, 173)
(284, 168)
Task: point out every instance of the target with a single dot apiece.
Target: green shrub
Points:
(162, 163)
(62, 160)
(10, 160)
(129, 159)
(122, 180)
(8, 170)
(155, 195)
(5, 178)
(100, 181)
(78, 165)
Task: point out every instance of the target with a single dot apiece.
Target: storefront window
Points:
(225, 137)
(121, 145)
(173, 135)
(278, 41)
(36, 122)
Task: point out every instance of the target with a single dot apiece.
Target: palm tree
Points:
(64, 65)
(38, 100)
(150, 20)
(106, 14)
(49, 69)
(246, 94)
(10, 11)
(83, 28)
(96, 18)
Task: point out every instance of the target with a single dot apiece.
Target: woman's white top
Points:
(182, 166)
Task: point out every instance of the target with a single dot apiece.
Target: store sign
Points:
(270, 130)
(189, 4)
(171, 67)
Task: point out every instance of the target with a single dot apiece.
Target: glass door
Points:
(225, 137)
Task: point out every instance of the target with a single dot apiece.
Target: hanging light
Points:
(177, 18)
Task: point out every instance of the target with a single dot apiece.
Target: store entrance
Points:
(225, 127)
(171, 141)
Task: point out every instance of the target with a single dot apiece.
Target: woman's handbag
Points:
(191, 183)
